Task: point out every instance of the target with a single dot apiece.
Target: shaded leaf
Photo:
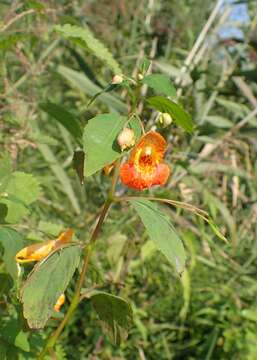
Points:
(12, 334)
(60, 175)
(84, 84)
(161, 232)
(6, 284)
(219, 121)
(78, 164)
(180, 116)
(210, 167)
(64, 117)
(48, 280)
(6, 42)
(115, 314)
(12, 242)
(160, 83)
(215, 203)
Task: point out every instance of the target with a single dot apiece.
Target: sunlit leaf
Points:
(85, 38)
(20, 191)
(100, 144)
(11, 242)
(161, 84)
(161, 232)
(179, 115)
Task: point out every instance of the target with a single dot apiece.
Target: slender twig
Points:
(199, 41)
(20, 16)
(16, 18)
(246, 90)
(174, 203)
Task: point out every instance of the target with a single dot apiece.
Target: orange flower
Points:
(145, 166)
(59, 303)
(39, 251)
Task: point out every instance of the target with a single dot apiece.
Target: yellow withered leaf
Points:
(37, 252)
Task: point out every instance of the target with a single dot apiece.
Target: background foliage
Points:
(210, 313)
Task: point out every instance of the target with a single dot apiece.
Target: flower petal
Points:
(143, 180)
(151, 139)
(161, 174)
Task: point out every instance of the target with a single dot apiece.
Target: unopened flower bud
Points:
(117, 79)
(126, 139)
(165, 119)
(140, 76)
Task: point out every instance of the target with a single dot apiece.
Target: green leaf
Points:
(250, 314)
(161, 232)
(180, 116)
(85, 38)
(5, 165)
(24, 186)
(5, 170)
(238, 109)
(85, 85)
(6, 284)
(116, 243)
(12, 242)
(3, 212)
(160, 83)
(144, 65)
(20, 191)
(215, 203)
(115, 314)
(60, 174)
(47, 281)
(78, 164)
(64, 117)
(36, 5)
(219, 121)
(12, 334)
(6, 42)
(134, 124)
(49, 228)
(208, 167)
(99, 140)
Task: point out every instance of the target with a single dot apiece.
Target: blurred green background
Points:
(211, 312)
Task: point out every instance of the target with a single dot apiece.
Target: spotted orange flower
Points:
(145, 166)
(37, 252)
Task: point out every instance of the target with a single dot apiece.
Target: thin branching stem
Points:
(87, 255)
(174, 203)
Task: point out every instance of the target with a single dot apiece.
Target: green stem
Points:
(88, 250)
(174, 203)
